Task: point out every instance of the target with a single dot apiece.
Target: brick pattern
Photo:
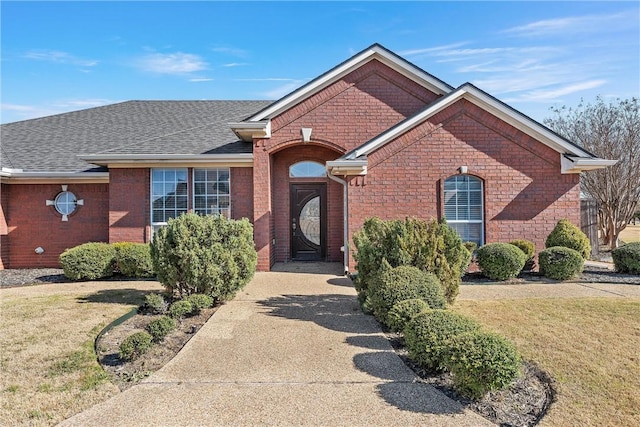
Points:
(5, 194)
(32, 224)
(129, 216)
(241, 193)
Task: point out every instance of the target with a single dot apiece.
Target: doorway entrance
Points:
(308, 221)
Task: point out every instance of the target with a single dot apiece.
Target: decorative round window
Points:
(65, 203)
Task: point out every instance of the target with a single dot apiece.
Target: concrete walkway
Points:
(292, 349)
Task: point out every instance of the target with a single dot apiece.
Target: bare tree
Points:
(610, 131)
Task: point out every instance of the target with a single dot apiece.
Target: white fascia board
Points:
(109, 159)
(246, 131)
(375, 52)
(53, 177)
(347, 167)
(572, 164)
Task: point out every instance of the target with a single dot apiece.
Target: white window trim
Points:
(470, 221)
(155, 225)
(193, 186)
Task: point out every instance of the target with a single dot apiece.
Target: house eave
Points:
(247, 131)
(149, 160)
(18, 176)
(573, 164)
(347, 167)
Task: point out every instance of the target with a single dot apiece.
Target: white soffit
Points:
(376, 52)
(572, 164)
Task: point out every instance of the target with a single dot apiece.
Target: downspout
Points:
(345, 219)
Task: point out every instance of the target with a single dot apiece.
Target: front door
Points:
(308, 221)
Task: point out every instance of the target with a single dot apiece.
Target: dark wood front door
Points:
(308, 221)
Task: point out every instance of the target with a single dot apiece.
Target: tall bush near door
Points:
(209, 255)
(430, 246)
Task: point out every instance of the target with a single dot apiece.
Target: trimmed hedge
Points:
(402, 312)
(567, 235)
(401, 283)
(529, 249)
(88, 261)
(500, 261)
(199, 302)
(428, 336)
(135, 345)
(626, 258)
(480, 362)
(156, 303)
(209, 255)
(134, 259)
(180, 308)
(430, 246)
(560, 263)
(161, 327)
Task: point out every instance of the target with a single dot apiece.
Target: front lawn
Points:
(588, 345)
(48, 366)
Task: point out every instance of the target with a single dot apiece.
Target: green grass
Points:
(630, 234)
(588, 345)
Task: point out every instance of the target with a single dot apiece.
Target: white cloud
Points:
(556, 94)
(59, 57)
(235, 64)
(574, 24)
(200, 79)
(430, 50)
(280, 91)
(268, 79)
(16, 112)
(241, 53)
(172, 63)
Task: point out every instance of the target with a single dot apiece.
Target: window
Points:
(65, 203)
(307, 169)
(463, 207)
(169, 195)
(211, 191)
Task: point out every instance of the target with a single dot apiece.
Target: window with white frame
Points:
(464, 207)
(307, 169)
(211, 192)
(169, 195)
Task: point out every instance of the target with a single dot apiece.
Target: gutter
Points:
(345, 217)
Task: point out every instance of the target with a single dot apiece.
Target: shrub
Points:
(560, 263)
(500, 261)
(88, 261)
(529, 249)
(430, 246)
(156, 303)
(209, 255)
(471, 246)
(135, 345)
(626, 258)
(160, 327)
(567, 235)
(134, 259)
(401, 283)
(402, 312)
(180, 308)
(200, 302)
(481, 361)
(428, 334)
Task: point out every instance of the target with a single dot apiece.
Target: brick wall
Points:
(4, 229)
(32, 224)
(242, 193)
(129, 216)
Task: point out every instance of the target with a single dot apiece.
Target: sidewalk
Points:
(292, 349)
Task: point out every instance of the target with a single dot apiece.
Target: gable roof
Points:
(127, 129)
(573, 158)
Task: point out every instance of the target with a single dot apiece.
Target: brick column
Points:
(262, 204)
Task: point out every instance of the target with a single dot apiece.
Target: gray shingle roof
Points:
(52, 144)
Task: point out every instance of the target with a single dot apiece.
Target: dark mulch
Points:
(10, 278)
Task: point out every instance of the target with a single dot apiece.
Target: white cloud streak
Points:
(59, 57)
(574, 25)
(172, 63)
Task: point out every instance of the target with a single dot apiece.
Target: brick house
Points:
(374, 136)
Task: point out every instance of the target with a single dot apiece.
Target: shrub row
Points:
(95, 260)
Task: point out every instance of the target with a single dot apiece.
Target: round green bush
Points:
(626, 258)
(401, 283)
(560, 263)
(200, 302)
(161, 327)
(567, 235)
(135, 345)
(480, 362)
(88, 261)
(204, 254)
(500, 261)
(180, 308)
(529, 249)
(402, 312)
(155, 303)
(134, 259)
(428, 334)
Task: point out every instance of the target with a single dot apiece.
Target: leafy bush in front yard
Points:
(430, 246)
(199, 302)
(529, 249)
(161, 327)
(567, 235)
(402, 312)
(429, 333)
(156, 303)
(480, 362)
(180, 308)
(560, 263)
(135, 345)
(134, 259)
(209, 255)
(500, 261)
(88, 261)
(626, 258)
(400, 283)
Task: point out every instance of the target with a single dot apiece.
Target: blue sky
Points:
(64, 56)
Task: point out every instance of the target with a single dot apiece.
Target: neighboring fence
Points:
(589, 223)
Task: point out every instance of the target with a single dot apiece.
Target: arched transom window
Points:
(307, 169)
(464, 207)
